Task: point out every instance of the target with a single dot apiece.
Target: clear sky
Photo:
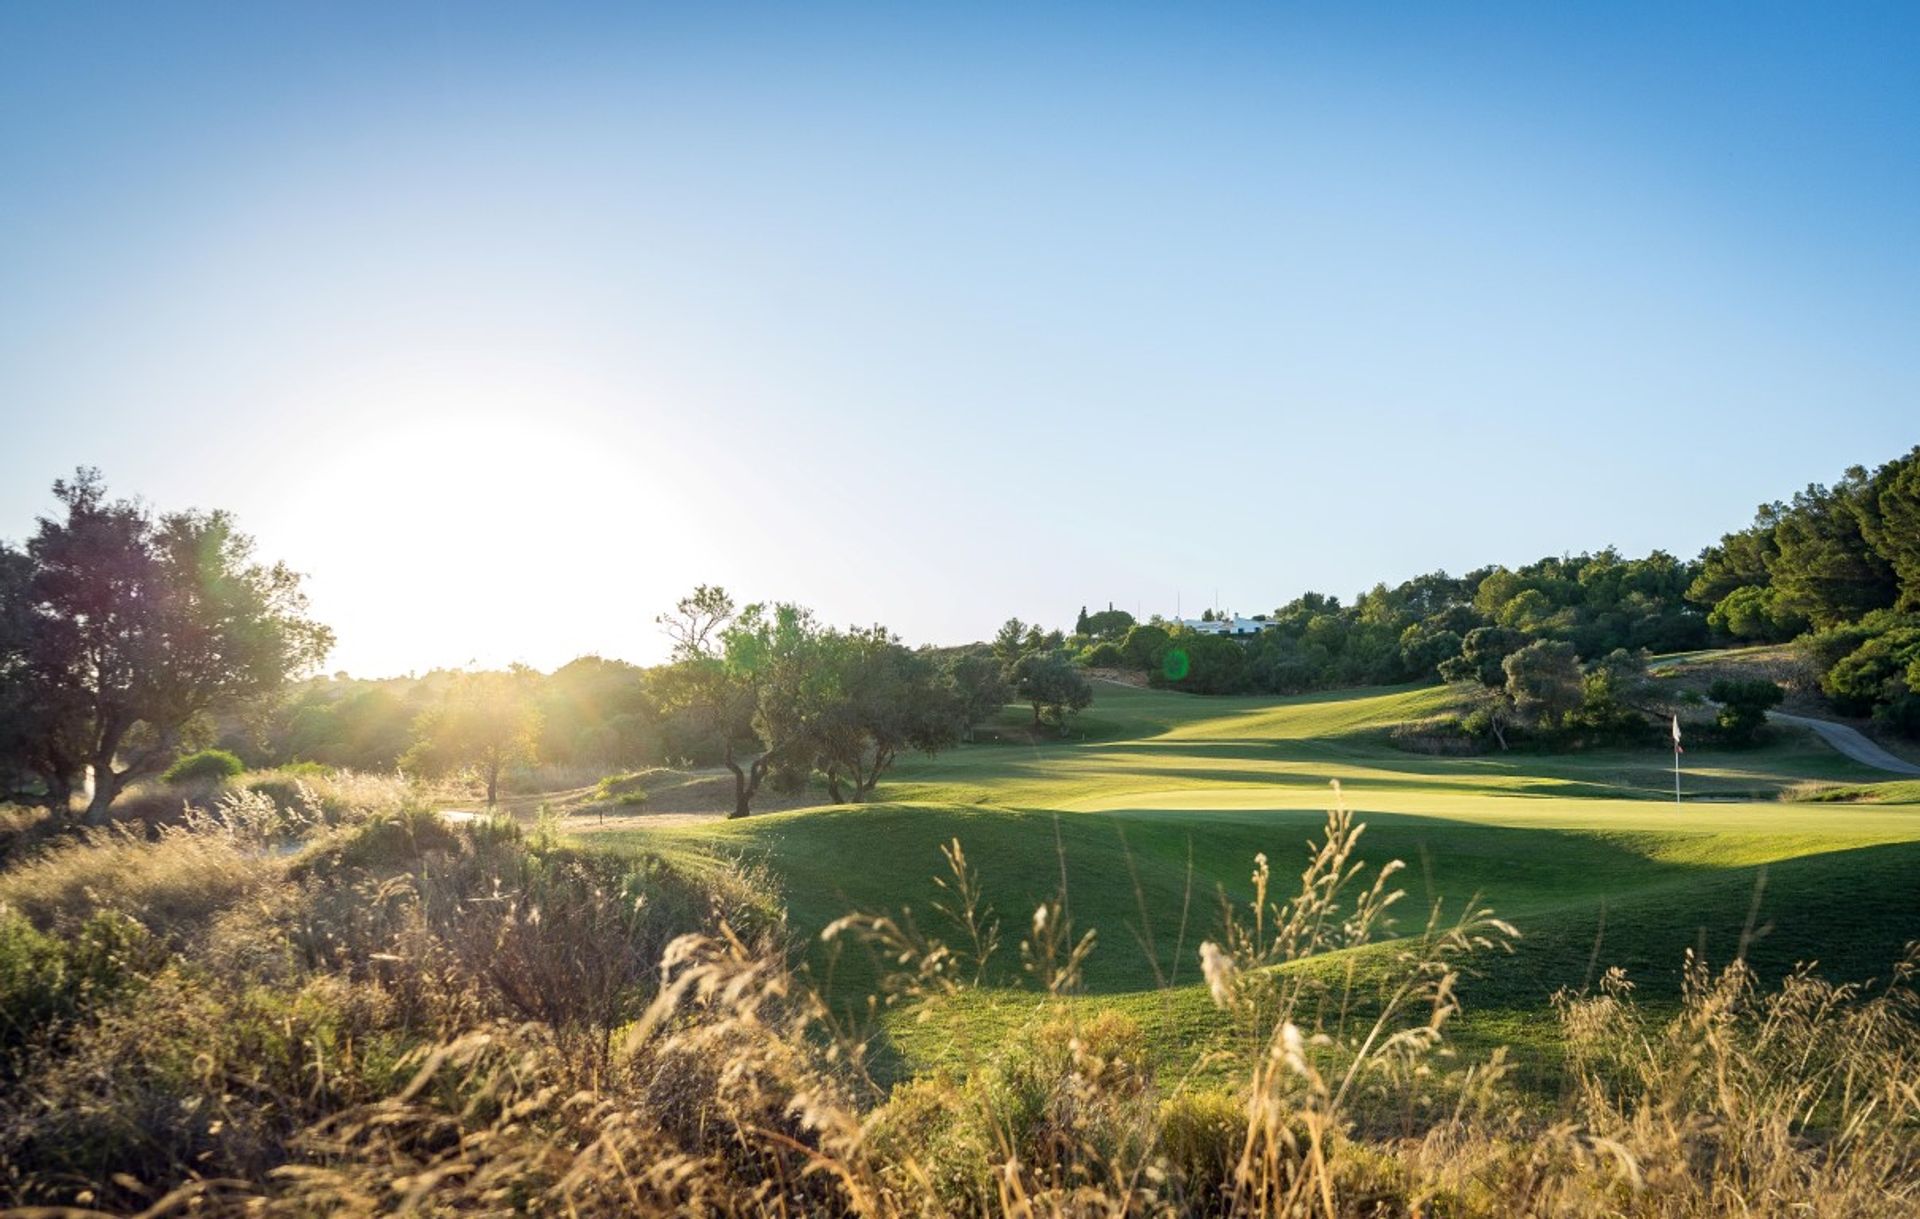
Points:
(507, 324)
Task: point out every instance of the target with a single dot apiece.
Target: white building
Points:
(1235, 625)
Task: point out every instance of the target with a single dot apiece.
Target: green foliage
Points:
(623, 788)
(1062, 1099)
(980, 687)
(1842, 559)
(1143, 647)
(1054, 687)
(1544, 682)
(848, 702)
(208, 765)
(1483, 655)
(1614, 690)
(1756, 614)
(120, 633)
(1425, 648)
(1213, 664)
(1826, 570)
(1103, 655)
(1107, 625)
(486, 722)
(1877, 675)
(1890, 523)
(50, 982)
(598, 712)
(1743, 708)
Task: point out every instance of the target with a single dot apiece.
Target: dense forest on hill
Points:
(1836, 568)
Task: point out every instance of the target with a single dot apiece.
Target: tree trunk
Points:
(833, 786)
(1036, 715)
(106, 785)
(746, 782)
(493, 784)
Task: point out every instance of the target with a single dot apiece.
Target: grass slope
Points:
(1153, 819)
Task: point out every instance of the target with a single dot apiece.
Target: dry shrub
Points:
(304, 796)
(1804, 1099)
(187, 1074)
(172, 882)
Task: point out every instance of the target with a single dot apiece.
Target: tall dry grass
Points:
(405, 1018)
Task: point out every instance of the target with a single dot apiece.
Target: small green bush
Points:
(1201, 1134)
(623, 789)
(1103, 656)
(208, 765)
(394, 839)
(47, 982)
(1743, 708)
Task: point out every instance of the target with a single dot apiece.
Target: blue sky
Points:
(508, 323)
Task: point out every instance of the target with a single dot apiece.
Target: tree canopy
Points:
(125, 631)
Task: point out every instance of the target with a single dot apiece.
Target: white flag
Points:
(1676, 735)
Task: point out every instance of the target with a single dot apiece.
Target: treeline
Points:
(767, 691)
(1596, 603)
(128, 640)
(1836, 568)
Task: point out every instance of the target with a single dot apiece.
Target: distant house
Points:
(1235, 625)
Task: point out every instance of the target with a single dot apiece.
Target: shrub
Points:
(1743, 707)
(208, 765)
(1143, 646)
(1201, 1133)
(1873, 673)
(1103, 655)
(397, 838)
(1444, 736)
(628, 790)
(48, 982)
(173, 883)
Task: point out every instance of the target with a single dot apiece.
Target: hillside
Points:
(1586, 853)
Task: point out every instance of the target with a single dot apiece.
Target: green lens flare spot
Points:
(1175, 664)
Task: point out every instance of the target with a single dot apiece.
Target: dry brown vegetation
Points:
(336, 1003)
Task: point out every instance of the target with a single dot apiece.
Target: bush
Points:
(1201, 1134)
(1444, 736)
(628, 789)
(49, 982)
(398, 838)
(1143, 647)
(172, 884)
(1873, 673)
(1103, 656)
(1743, 708)
(208, 765)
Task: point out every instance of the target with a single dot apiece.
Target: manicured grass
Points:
(1154, 822)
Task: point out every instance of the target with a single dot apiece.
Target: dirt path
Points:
(1850, 742)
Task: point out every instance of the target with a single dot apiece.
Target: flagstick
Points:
(1676, 758)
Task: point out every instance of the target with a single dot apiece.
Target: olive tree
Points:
(120, 632)
(486, 723)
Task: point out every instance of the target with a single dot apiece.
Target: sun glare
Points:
(461, 530)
